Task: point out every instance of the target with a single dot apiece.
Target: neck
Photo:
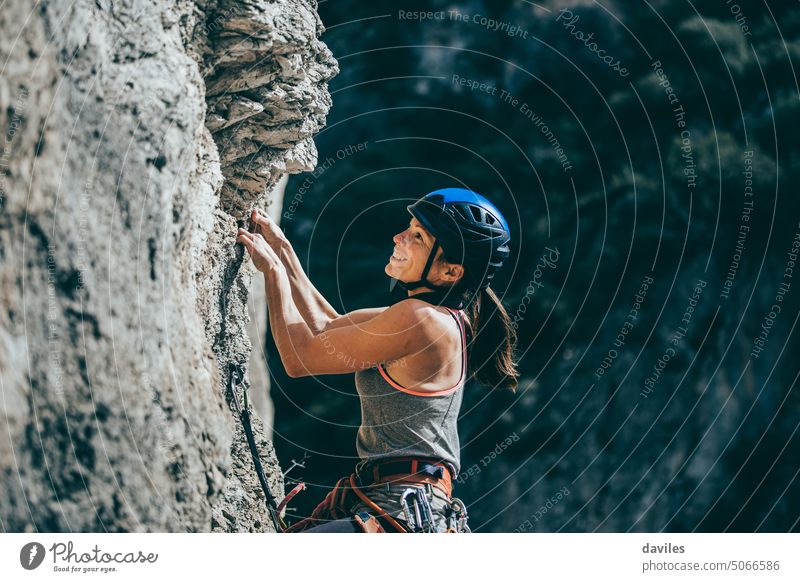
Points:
(420, 290)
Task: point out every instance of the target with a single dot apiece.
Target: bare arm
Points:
(356, 317)
(393, 333)
(315, 310)
(313, 307)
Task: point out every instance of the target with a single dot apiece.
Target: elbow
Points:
(291, 373)
(296, 369)
(294, 359)
(292, 370)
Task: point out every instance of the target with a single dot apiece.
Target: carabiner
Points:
(421, 518)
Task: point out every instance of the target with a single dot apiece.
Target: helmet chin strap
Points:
(438, 294)
(423, 280)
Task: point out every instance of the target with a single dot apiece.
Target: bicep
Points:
(354, 317)
(390, 335)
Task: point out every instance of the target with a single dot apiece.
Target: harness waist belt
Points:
(408, 470)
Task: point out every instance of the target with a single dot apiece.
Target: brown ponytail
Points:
(491, 338)
(492, 342)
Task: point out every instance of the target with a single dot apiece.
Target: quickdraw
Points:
(418, 511)
(456, 516)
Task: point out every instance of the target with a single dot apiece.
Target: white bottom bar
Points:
(259, 557)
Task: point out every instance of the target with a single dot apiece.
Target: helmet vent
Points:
(461, 211)
(476, 213)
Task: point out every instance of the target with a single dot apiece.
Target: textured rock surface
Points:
(123, 300)
(266, 93)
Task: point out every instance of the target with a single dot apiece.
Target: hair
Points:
(491, 339)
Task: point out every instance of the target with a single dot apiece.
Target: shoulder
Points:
(427, 319)
(409, 310)
(414, 308)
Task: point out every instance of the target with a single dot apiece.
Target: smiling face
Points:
(410, 254)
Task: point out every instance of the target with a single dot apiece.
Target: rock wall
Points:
(136, 134)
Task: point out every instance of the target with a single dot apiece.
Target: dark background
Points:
(714, 447)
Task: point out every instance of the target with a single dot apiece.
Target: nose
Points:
(398, 237)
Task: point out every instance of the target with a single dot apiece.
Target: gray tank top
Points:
(398, 422)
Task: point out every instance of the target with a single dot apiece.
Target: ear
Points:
(453, 272)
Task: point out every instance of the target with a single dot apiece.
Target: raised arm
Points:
(358, 340)
(313, 307)
(356, 317)
(394, 333)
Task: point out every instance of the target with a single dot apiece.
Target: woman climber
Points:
(411, 359)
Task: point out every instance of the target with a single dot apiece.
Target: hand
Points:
(264, 257)
(266, 227)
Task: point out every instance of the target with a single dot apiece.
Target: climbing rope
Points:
(236, 378)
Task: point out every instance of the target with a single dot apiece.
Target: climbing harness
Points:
(420, 475)
(337, 505)
(401, 470)
(235, 378)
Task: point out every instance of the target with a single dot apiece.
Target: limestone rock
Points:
(267, 94)
(123, 299)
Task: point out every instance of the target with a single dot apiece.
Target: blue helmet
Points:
(470, 230)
